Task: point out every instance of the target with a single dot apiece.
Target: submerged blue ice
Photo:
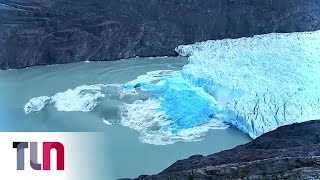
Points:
(255, 84)
(186, 105)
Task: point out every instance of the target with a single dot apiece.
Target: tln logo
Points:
(47, 146)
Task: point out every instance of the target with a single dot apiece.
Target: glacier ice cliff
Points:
(254, 84)
(262, 82)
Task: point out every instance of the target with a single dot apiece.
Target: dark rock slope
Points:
(38, 32)
(290, 152)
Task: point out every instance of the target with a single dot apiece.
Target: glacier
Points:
(265, 81)
(255, 84)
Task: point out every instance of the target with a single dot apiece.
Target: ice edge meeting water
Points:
(255, 84)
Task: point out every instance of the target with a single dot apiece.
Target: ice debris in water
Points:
(82, 98)
(36, 104)
(176, 110)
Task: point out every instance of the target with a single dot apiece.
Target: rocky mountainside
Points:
(39, 32)
(290, 152)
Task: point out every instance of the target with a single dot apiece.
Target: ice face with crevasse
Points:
(254, 84)
(267, 81)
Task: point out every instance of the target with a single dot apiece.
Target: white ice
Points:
(145, 118)
(83, 98)
(275, 76)
(257, 84)
(36, 104)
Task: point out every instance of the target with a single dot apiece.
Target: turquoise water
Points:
(129, 153)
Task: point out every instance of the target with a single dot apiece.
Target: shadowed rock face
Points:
(39, 32)
(290, 152)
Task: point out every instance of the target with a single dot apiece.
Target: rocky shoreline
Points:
(290, 152)
(42, 32)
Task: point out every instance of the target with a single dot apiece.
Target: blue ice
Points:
(185, 105)
(255, 84)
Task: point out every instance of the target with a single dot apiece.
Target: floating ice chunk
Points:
(269, 80)
(129, 88)
(83, 98)
(142, 115)
(150, 77)
(36, 104)
(107, 122)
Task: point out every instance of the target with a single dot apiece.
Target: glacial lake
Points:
(128, 155)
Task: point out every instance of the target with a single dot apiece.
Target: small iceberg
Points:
(83, 99)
